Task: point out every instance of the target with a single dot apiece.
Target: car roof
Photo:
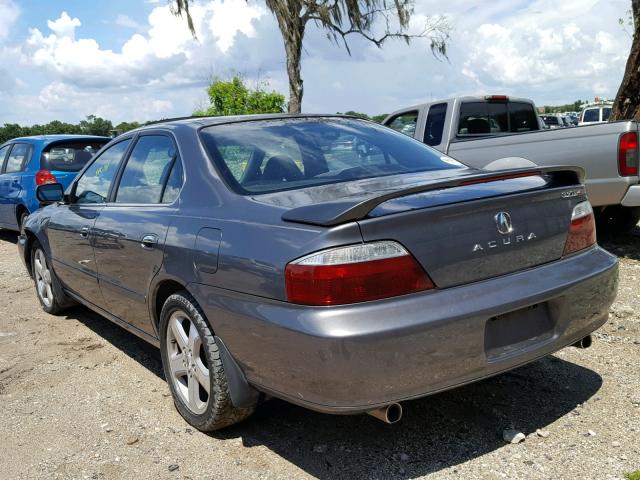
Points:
(47, 139)
(198, 122)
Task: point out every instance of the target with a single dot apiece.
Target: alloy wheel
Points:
(42, 273)
(189, 370)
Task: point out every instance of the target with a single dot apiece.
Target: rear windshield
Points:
(69, 156)
(275, 155)
(488, 118)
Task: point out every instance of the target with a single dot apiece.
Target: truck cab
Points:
(461, 118)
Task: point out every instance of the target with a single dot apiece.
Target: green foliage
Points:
(569, 107)
(374, 118)
(233, 97)
(93, 125)
(632, 475)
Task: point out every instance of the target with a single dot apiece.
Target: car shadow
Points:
(435, 433)
(625, 245)
(8, 236)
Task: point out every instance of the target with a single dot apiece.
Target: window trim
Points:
(111, 198)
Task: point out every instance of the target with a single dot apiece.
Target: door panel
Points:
(129, 243)
(69, 233)
(10, 183)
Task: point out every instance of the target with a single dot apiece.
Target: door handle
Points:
(84, 232)
(149, 241)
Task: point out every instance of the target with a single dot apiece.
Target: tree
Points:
(232, 97)
(627, 103)
(341, 19)
(93, 125)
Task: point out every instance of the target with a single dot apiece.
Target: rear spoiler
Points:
(328, 214)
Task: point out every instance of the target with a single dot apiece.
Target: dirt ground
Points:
(82, 398)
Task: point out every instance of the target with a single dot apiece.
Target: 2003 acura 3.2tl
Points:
(323, 260)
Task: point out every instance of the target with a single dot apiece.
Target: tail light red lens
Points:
(628, 154)
(582, 232)
(357, 273)
(45, 176)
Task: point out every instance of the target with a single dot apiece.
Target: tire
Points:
(48, 288)
(185, 359)
(23, 217)
(618, 219)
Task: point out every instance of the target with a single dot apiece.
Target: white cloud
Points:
(9, 13)
(65, 26)
(128, 22)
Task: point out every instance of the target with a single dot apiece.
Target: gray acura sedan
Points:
(323, 260)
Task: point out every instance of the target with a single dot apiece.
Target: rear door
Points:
(11, 182)
(70, 230)
(130, 231)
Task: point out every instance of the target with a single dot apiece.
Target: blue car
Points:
(28, 162)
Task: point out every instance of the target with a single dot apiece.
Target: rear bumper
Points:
(632, 197)
(354, 358)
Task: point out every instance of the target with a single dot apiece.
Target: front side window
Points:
(435, 124)
(18, 158)
(94, 185)
(297, 153)
(404, 123)
(147, 171)
(3, 153)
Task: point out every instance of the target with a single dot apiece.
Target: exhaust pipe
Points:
(584, 343)
(388, 414)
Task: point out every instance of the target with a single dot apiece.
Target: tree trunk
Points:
(295, 80)
(627, 103)
(292, 30)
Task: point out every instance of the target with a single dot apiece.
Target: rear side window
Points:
(18, 158)
(69, 156)
(606, 113)
(94, 184)
(284, 154)
(147, 171)
(404, 123)
(435, 124)
(591, 115)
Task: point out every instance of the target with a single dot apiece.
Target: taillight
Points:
(357, 273)
(45, 176)
(628, 154)
(582, 232)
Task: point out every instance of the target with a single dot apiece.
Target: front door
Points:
(71, 228)
(130, 232)
(11, 184)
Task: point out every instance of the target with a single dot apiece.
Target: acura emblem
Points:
(503, 221)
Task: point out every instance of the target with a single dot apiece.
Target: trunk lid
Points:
(470, 241)
(486, 225)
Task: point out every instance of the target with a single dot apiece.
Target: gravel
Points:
(82, 398)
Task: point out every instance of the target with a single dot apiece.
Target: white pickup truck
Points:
(501, 132)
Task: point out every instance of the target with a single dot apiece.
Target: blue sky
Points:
(132, 60)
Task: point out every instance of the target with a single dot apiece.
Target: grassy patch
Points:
(632, 475)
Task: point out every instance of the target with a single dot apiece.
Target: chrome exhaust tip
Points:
(390, 414)
(584, 343)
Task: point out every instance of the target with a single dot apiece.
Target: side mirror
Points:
(49, 193)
